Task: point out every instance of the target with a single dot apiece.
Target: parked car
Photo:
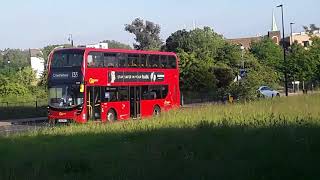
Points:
(265, 91)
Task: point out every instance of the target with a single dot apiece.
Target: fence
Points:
(15, 110)
(201, 97)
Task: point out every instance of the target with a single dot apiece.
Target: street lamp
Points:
(70, 39)
(291, 39)
(291, 42)
(242, 52)
(284, 52)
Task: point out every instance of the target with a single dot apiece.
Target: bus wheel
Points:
(156, 111)
(111, 115)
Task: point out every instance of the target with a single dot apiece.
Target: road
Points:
(8, 127)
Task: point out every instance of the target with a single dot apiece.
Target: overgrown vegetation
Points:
(269, 139)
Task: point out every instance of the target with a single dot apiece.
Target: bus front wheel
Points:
(111, 115)
(156, 111)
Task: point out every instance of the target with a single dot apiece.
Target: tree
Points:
(311, 29)
(178, 40)
(224, 75)
(300, 65)
(268, 53)
(116, 45)
(17, 58)
(147, 34)
(207, 61)
(314, 55)
(195, 74)
(17, 83)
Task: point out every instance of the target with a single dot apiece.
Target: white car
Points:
(265, 91)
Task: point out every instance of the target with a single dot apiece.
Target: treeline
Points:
(209, 63)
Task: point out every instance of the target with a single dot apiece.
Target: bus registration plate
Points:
(62, 120)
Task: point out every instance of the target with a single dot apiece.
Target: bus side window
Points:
(164, 61)
(156, 91)
(123, 93)
(164, 91)
(143, 61)
(123, 60)
(133, 60)
(172, 62)
(110, 60)
(109, 94)
(95, 59)
(154, 61)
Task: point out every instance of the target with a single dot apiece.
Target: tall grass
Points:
(267, 139)
(295, 111)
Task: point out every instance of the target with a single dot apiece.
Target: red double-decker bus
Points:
(111, 84)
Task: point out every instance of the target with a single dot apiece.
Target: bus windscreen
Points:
(67, 58)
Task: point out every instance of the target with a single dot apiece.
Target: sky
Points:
(37, 23)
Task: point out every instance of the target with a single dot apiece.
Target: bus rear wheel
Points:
(156, 111)
(111, 115)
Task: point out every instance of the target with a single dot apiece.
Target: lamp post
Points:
(291, 34)
(291, 42)
(242, 52)
(284, 52)
(70, 39)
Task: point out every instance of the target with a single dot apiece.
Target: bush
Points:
(13, 89)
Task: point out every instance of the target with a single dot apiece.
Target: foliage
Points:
(178, 40)
(257, 76)
(147, 34)
(112, 44)
(268, 53)
(20, 83)
(17, 58)
(13, 88)
(299, 64)
(195, 74)
(311, 29)
(314, 55)
(224, 75)
(207, 62)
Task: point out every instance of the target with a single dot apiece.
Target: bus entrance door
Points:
(93, 103)
(135, 98)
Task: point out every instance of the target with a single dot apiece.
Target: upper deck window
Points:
(67, 58)
(128, 60)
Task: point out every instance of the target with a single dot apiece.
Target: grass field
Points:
(277, 139)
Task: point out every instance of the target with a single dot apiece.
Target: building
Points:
(246, 42)
(301, 38)
(98, 46)
(37, 61)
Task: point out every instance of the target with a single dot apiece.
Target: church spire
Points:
(274, 23)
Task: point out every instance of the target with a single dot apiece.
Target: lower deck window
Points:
(122, 93)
